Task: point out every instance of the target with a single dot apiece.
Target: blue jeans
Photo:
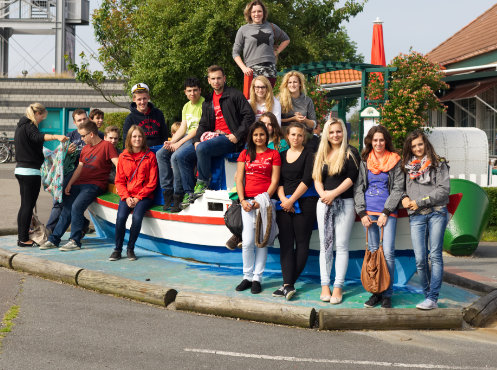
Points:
(177, 169)
(218, 146)
(73, 211)
(57, 206)
(388, 246)
(427, 236)
(136, 224)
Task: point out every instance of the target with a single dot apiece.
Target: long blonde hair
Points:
(337, 160)
(35, 108)
(285, 97)
(269, 100)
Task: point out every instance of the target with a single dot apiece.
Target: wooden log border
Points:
(8, 231)
(124, 287)
(247, 309)
(6, 258)
(389, 319)
(482, 310)
(46, 268)
(466, 283)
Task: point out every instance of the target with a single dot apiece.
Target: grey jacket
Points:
(433, 194)
(395, 188)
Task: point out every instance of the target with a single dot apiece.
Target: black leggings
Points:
(29, 187)
(294, 237)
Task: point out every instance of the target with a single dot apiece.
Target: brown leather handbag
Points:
(375, 277)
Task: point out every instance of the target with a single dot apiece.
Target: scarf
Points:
(52, 170)
(419, 169)
(330, 215)
(385, 164)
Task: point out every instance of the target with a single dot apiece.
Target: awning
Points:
(469, 90)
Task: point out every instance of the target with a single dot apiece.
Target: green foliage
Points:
(322, 104)
(162, 42)
(411, 94)
(492, 196)
(115, 119)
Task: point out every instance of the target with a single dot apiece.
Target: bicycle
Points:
(7, 149)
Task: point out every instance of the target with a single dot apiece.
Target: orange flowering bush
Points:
(322, 104)
(411, 94)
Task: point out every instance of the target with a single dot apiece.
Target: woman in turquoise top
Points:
(28, 142)
(276, 140)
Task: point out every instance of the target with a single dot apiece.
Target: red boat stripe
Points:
(171, 216)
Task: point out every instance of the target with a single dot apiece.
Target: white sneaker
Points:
(48, 245)
(427, 304)
(69, 246)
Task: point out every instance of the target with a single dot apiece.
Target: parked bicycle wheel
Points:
(4, 153)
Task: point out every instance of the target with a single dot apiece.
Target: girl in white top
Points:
(262, 99)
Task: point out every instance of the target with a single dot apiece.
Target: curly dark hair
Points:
(368, 141)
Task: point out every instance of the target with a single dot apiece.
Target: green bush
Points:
(115, 119)
(492, 196)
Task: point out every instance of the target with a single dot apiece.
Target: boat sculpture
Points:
(199, 233)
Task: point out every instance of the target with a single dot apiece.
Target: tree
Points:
(411, 94)
(161, 42)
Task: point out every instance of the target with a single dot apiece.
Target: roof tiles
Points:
(478, 37)
(346, 75)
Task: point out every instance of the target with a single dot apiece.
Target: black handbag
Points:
(233, 219)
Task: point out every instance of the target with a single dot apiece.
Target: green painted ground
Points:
(189, 276)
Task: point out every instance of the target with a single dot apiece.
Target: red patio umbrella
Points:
(377, 47)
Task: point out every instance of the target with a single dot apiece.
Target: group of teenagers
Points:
(322, 179)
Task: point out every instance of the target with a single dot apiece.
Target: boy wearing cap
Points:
(176, 180)
(144, 114)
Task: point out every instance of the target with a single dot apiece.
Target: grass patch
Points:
(490, 234)
(8, 320)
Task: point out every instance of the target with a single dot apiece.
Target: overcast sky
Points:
(422, 24)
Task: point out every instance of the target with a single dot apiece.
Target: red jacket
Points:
(143, 183)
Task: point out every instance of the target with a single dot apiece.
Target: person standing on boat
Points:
(298, 209)
(377, 194)
(89, 180)
(335, 171)
(28, 141)
(296, 106)
(426, 199)
(256, 41)
(176, 159)
(136, 179)
(147, 116)
(226, 117)
(258, 173)
(262, 99)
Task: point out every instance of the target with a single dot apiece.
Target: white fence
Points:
(482, 180)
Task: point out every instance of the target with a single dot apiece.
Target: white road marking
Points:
(327, 361)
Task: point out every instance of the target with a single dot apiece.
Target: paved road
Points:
(64, 327)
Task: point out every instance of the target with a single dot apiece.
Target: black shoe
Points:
(130, 253)
(27, 245)
(289, 291)
(279, 292)
(244, 285)
(168, 197)
(177, 199)
(386, 302)
(373, 301)
(116, 255)
(256, 287)
(232, 242)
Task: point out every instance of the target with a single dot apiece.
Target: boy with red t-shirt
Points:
(88, 181)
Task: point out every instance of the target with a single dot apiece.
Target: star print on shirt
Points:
(262, 38)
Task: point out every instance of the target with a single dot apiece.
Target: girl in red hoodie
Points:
(136, 179)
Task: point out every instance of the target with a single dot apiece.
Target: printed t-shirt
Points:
(192, 114)
(258, 172)
(377, 193)
(220, 122)
(97, 164)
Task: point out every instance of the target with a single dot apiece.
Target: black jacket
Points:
(28, 141)
(237, 113)
(153, 124)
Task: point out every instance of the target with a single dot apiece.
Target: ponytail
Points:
(34, 108)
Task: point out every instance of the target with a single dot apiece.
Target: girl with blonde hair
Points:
(296, 106)
(262, 99)
(29, 142)
(336, 167)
